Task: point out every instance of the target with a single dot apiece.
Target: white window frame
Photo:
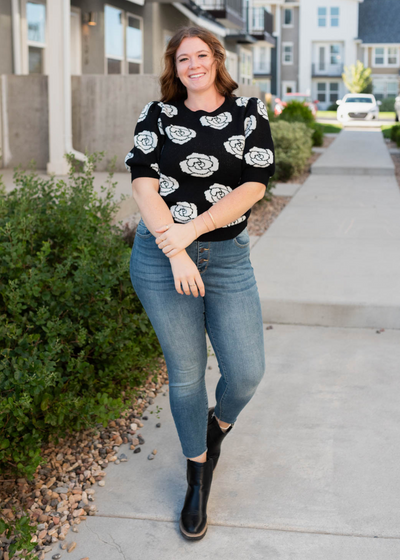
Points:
(291, 18)
(328, 91)
(24, 38)
(287, 44)
(320, 17)
(332, 17)
(124, 59)
(246, 78)
(231, 64)
(128, 60)
(385, 56)
(258, 68)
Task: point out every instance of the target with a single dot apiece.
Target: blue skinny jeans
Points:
(230, 312)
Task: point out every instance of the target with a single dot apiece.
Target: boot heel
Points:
(193, 521)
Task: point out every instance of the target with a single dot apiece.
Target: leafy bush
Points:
(395, 133)
(296, 111)
(293, 143)
(72, 331)
(332, 107)
(318, 134)
(387, 105)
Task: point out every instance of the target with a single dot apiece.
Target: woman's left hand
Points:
(175, 237)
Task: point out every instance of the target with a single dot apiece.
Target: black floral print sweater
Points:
(199, 157)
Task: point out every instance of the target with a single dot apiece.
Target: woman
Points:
(201, 159)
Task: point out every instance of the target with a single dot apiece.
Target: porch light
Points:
(90, 18)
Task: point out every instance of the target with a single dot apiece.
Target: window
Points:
(288, 17)
(134, 53)
(123, 42)
(386, 56)
(334, 17)
(333, 92)
(379, 55)
(335, 54)
(36, 21)
(114, 35)
(287, 53)
(321, 91)
(231, 63)
(246, 71)
(321, 17)
(385, 88)
(392, 55)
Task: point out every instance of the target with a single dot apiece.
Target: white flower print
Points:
(184, 212)
(214, 193)
(146, 141)
(235, 146)
(250, 124)
(144, 112)
(219, 121)
(160, 126)
(128, 156)
(262, 110)
(199, 165)
(238, 221)
(169, 110)
(180, 134)
(242, 101)
(155, 167)
(167, 185)
(259, 157)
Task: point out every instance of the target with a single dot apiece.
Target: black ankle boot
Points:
(193, 521)
(215, 436)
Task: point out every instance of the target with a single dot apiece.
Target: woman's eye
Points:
(203, 55)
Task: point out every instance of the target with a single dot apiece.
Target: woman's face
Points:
(195, 65)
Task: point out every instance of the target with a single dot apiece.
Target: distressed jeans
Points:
(230, 312)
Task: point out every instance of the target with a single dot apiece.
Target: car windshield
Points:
(358, 100)
(301, 98)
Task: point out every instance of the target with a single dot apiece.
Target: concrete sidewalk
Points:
(331, 258)
(309, 473)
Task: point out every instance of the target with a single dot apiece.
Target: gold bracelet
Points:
(208, 212)
(197, 235)
(208, 229)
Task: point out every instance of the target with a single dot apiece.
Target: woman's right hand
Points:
(186, 273)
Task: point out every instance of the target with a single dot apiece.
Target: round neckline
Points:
(222, 106)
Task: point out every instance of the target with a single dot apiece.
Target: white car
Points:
(357, 106)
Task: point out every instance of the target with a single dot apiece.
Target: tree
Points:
(357, 78)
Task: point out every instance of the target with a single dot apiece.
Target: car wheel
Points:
(397, 118)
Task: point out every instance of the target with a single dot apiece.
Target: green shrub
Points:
(295, 111)
(395, 133)
(332, 107)
(318, 134)
(293, 142)
(387, 105)
(73, 333)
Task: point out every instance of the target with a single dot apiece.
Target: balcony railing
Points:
(262, 68)
(323, 69)
(259, 21)
(228, 12)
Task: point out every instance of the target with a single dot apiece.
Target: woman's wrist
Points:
(203, 224)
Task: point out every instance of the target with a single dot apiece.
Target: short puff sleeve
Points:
(143, 160)
(258, 155)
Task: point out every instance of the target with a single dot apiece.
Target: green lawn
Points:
(332, 115)
(331, 128)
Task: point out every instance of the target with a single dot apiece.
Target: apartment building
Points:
(379, 44)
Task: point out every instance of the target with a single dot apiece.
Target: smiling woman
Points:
(202, 157)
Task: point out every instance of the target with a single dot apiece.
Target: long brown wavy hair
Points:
(171, 86)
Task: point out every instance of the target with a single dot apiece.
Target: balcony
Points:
(261, 69)
(326, 70)
(227, 12)
(260, 24)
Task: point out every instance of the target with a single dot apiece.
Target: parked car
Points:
(280, 104)
(397, 108)
(357, 106)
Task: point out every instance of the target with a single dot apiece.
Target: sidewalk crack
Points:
(115, 545)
